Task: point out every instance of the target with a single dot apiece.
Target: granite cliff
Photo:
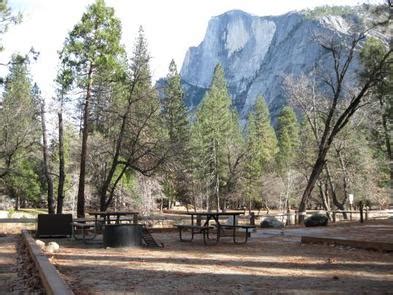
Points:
(258, 52)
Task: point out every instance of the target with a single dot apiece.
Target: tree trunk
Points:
(81, 189)
(45, 152)
(387, 140)
(336, 202)
(16, 207)
(325, 200)
(115, 161)
(60, 188)
(316, 171)
(108, 201)
(345, 180)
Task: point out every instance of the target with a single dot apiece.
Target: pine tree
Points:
(64, 81)
(19, 131)
(215, 131)
(40, 102)
(370, 55)
(174, 113)
(288, 138)
(261, 143)
(92, 45)
(288, 143)
(134, 130)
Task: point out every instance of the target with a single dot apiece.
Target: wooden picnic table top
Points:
(228, 213)
(109, 215)
(113, 213)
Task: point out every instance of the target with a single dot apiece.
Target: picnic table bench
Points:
(195, 229)
(231, 229)
(228, 230)
(84, 225)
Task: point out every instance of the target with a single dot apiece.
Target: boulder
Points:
(52, 247)
(40, 244)
(316, 220)
(271, 222)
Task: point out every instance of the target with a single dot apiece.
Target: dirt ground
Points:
(271, 262)
(17, 272)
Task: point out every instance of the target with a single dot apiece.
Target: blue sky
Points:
(171, 26)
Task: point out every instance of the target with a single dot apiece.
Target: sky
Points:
(171, 27)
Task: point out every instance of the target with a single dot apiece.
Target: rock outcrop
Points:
(258, 52)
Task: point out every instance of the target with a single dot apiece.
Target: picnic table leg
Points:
(205, 232)
(181, 237)
(72, 232)
(218, 228)
(245, 239)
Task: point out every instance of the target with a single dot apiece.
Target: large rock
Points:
(272, 222)
(256, 54)
(316, 220)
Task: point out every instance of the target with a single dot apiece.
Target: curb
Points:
(49, 276)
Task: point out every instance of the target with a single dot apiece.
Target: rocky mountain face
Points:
(258, 52)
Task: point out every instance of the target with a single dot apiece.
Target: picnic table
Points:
(117, 233)
(221, 229)
(115, 216)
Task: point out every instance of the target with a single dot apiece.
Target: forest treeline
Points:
(116, 141)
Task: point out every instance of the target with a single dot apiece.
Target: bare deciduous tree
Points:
(342, 100)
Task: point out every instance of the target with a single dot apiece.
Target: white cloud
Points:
(171, 26)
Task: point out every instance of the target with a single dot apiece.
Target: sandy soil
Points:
(269, 263)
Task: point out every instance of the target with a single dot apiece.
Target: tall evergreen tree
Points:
(40, 102)
(134, 128)
(372, 52)
(288, 144)
(177, 125)
(288, 138)
(261, 148)
(19, 132)
(175, 111)
(214, 132)
(63, 80)
(92, 45)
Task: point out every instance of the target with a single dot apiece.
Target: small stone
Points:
(52, 247)
(40, 244)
